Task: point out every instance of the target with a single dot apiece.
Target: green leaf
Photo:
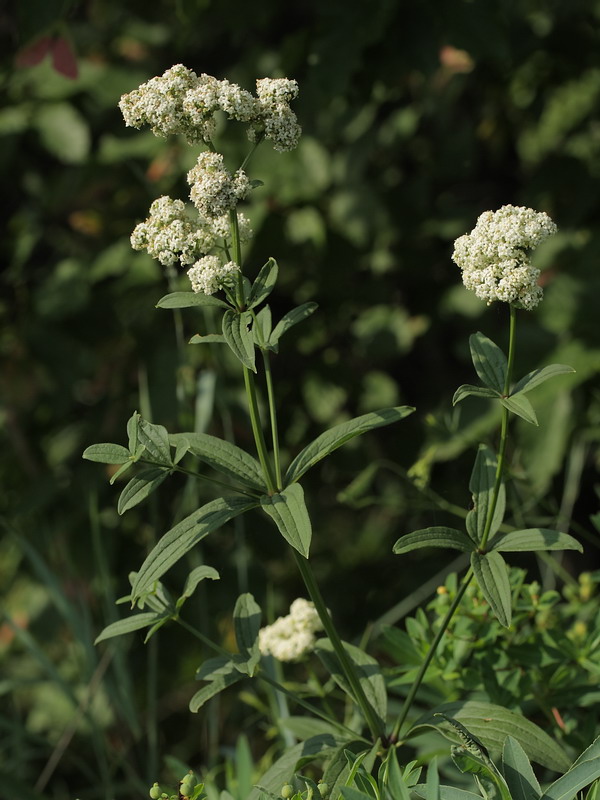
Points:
(123, 468)
(520, 406)
(246, 622)
(64, 131)
(433, 781)
(481, 485)
(193, 579)
(492, 724)
(283, 769)
(393, 779)
(238, 337)
(518, 773)
(583, 771)
(185, 535)
(485, 773)
(189, 300)
(305, 727)
(261, 329)
(466, 390)
(489, 361)
(224, 457)
(447, 793)
(216, 686)
(335, 437)
(290, 319)
(538, 376)
(366, 667)
(491, 573)
(132, 432)
(140, 486)
(350, 793)
(534, 539)
(288, 510)
(209, 338)
(130, 624)
(155, 440)
(437, 536)
(337, 770)
(264, 283)
(106, 453)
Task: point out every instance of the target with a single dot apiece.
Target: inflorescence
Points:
(494, 257)
(292, 637)
(180, 102)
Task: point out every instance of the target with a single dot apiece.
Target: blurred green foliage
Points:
(417, 116)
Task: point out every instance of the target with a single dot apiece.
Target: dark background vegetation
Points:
(417, 116)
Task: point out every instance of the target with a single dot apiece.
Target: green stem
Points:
(346, 665)
(273, 416)
(259, 438)
(237, 257)
(503, 429)
(429, 658)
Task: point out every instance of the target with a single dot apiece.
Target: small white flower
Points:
(209, 273)
(214, 190)
(494, 257)
(275, 117)
(292, 637)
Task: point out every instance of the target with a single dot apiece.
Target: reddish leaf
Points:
(63, 58)
(35, 52)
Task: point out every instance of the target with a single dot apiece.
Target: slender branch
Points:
(346, 665)
(259, 438)
(273, 416)
(429, 658)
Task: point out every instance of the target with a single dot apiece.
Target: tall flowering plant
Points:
(205, 236)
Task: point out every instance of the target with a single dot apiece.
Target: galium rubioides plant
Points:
(205, 236)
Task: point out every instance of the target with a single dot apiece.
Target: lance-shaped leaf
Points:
(239, 338)
(491, 574)
(131, 624)
(209, 338)
(288, 511)
(155, 441)
(446, 792)
(221, 673)
(193, 579)
(534, 539)
(518, 773)
(481, 484)
(264, 283)
(491, 724)
(140, 486)
(484, 772)
(189, 300)
(365, 666)
(224, 457)
(520, 406)
(438, 536)
(106, 453)
(466, 390)
(261, 329)
(288, 320)
(489, 361)
(583, 771)
(537, 376)
(187, 533)
(132, 432)
(335, 437)
(246, 623)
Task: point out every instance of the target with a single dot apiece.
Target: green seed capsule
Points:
(323, 789)
(287, 790)
(155, 792)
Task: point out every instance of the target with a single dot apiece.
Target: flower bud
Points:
(323, 789)
(287, 790)
(155, 792)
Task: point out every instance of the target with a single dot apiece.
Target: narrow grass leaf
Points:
(534, 539)
(467, 390)
(185, 535)
(288, 511)
(264, 283)
(335, 437)
(239, 338)
(518, 773)
(189, 300)
(224, 457)
(433, 781)
(520, 406)
(491, 573)
(437, 536)
(290, 319)
(139, 487)
(538, 376)
(489, 361)
(106, 453)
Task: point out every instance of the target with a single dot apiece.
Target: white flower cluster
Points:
(208, 274)
(181, 102)
(215, 190)
(494, 257)
(292, 637)
(171, 235)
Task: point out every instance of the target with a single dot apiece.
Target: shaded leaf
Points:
(140, 486)
(481, 485)
(129, 625)
(193, 579)
(261, 329)
(209, 338)
(290, 319)
(489, 361)
(288, 510)
(520, 406)
(583, 771)
(335, 437)
(538, 376)
(187, 533)
(246, 622)
(239, 338)
(437, 536)
(491, 573)
(518, 773)
(447, 793)
(213, 688)
(466, 390)
(189, 300)
(264, 283)
(534, 539)
(155, 440)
